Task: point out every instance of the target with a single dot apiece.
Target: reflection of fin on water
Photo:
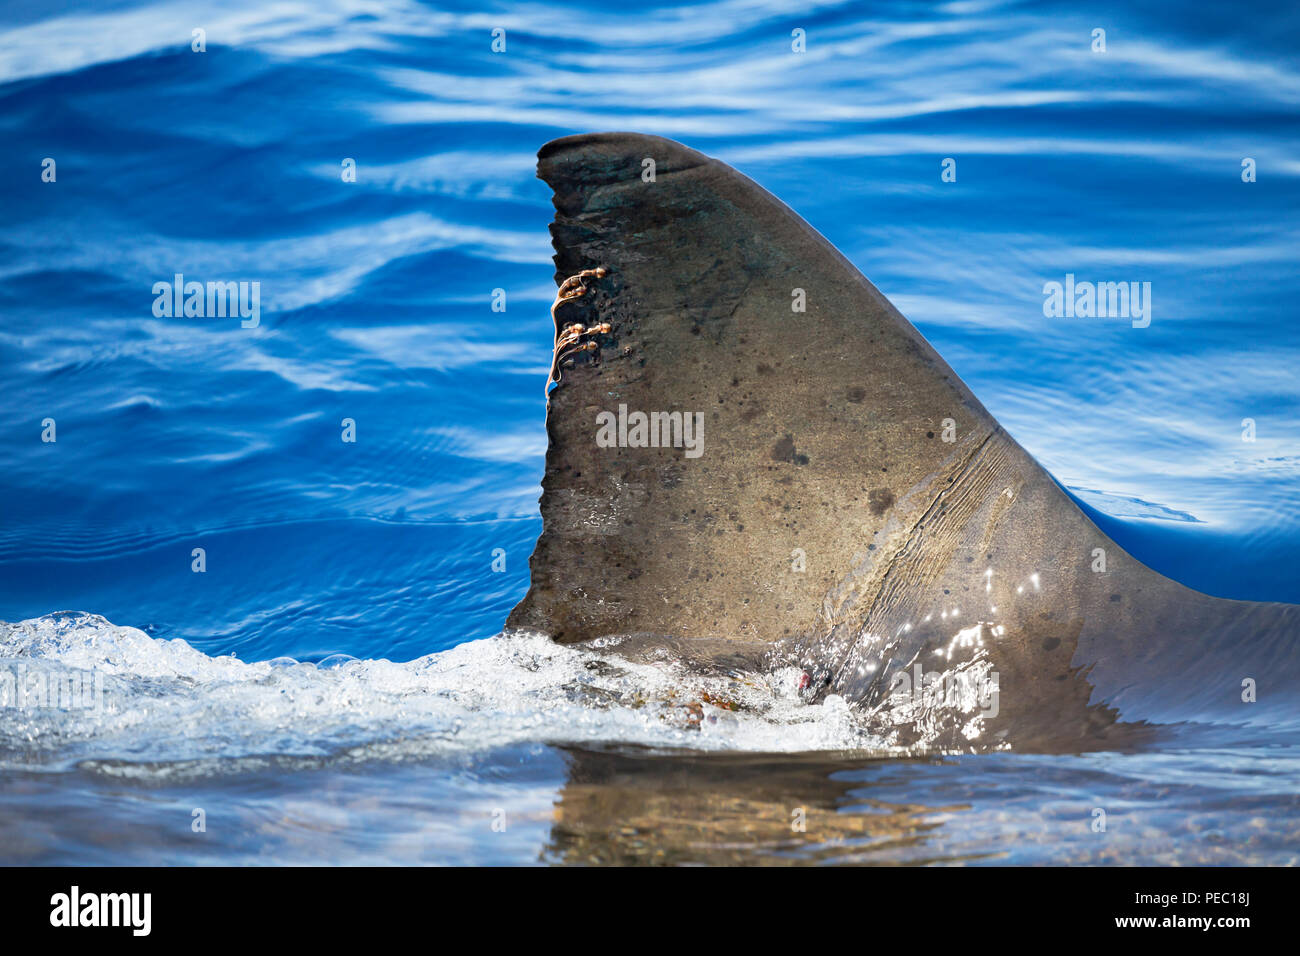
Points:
(726, 810)
(854, 508)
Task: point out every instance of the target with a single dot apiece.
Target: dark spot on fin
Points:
(880, 500)
(784, 450)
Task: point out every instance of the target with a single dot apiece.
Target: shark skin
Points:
(851, 508)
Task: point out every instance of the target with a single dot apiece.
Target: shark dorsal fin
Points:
(762, 449)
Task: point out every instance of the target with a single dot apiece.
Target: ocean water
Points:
(334, 686)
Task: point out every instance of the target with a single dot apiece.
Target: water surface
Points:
(235, 691)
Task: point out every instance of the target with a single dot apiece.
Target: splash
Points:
(154, 705)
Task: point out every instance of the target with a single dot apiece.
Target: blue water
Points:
(176, 433)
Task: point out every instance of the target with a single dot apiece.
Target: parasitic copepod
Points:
(569, 341)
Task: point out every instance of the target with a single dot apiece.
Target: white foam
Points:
(164, 701)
